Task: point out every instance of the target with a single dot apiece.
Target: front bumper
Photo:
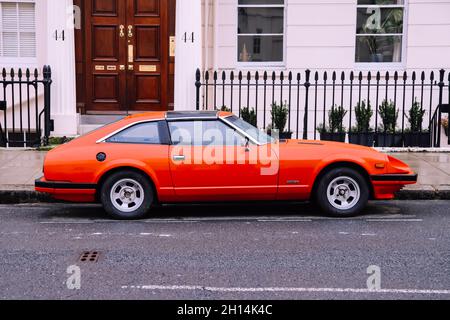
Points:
(386, 185)
(402, 178)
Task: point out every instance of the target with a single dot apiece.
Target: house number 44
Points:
(188, 37)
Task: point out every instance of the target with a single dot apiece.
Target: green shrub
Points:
(249, 115)
(389, 116)
(364, 114)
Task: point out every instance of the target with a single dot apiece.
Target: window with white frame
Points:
(17, 29)
(260, 31)
(380, 31)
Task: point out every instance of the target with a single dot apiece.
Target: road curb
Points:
(28, 196)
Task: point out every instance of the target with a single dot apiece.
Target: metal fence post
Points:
(49, 125)
(198, 85)
(441, 85)
(305, 120)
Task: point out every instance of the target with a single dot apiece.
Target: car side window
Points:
(143, 133)
(204, 133)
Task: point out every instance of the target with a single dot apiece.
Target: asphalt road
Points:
(270, 251)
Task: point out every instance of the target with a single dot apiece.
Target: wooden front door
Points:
(127, 55)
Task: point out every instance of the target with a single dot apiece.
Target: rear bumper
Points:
(75, 192)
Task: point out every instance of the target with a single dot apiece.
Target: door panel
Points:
(105, 7)
(149, 41)
(128, 64)
(105, 51)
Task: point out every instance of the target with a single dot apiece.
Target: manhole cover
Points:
(89, 256)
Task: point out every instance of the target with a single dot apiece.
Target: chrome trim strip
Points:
(102, 140)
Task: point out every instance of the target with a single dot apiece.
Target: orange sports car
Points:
(183, 157)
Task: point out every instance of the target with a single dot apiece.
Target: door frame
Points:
(81, 63)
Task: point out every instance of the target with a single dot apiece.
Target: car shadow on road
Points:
(284, 210)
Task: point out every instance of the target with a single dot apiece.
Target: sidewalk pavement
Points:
(20, 168)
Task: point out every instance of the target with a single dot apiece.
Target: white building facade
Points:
(216, 35)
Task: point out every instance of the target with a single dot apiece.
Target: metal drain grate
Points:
(89, 256)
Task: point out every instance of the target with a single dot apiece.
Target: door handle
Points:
(130, 53)
(130, 31)
(122, 31)
(179, 158)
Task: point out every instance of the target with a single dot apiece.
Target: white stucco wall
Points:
(320, 35)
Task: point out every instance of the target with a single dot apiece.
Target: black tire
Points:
(322, 199)
(140, 211)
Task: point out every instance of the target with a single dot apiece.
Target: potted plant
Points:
(280, 115)
(445, 125)
(414, 135)
(387, 137)
(249, 115)
(225, 109)
(362, 133)
(335, 130)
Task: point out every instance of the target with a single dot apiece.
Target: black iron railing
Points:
(312, 98)
(25, 102)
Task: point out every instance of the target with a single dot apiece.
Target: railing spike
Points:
(257, 76)
(343, 76)
(224, 76)
(207, 75)
(334, 77)
(249, 76)
(352, 76)
(360, 76)
(405, 76)
(378, 76)
(265, 75)
(232, 75)
(387, 76)
(369, 76)
(316, 76)
(422, 76)
(325, 76)
(396, 76)
(290, 76)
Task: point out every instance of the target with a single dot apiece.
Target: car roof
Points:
(181, 115)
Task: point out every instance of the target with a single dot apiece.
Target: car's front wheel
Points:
(127, 195)
(342, 192)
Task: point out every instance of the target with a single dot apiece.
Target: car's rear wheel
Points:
(127, 195)
(342, 192)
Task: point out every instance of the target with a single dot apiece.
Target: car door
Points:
(211, 161)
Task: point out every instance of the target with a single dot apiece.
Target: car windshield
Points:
(250, 130)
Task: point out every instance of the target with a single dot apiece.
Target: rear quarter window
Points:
(142, 133)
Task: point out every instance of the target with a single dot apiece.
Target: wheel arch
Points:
(105, 175)
(344, 164)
